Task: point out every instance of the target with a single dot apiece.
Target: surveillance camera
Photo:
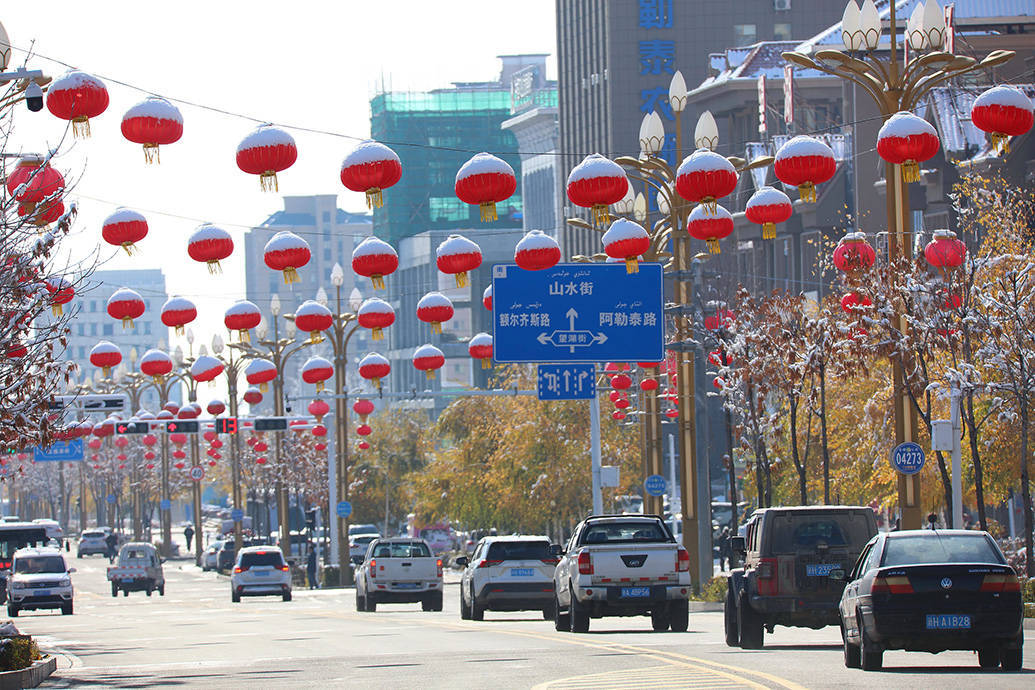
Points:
(34, 97)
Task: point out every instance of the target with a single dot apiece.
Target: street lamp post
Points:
(895, 86)
(232, 369)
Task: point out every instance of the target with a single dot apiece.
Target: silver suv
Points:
(260, 571)
(512, 573)
(40, 579)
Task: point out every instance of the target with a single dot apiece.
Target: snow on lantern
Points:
(435, 308)
(458, 255)
(853, 254)
(265, 152)
(33, 180)
(77, 96)
(485, 180)
(767, 207)
(253, 396)
(945, 251)
(206, 368)
(210, 244)
(704, 177)
(61, 292)
(287, 252)
(480, 347)
(371, 167)
(626, 240)
(374, 367)
(313, 318)
(537, 251)
(618, 415)
(1003, 112)
(215, 407)
(364, 408)
(124, 228)
(596, 183)
(153, 122)
(710, 226)
(156, 364)
(177, 312)
(487, 298)
(364, 430)
(374, 259)
(375, 314)
(853, 302)
(260, 372)
(428, 358)
(105, 355)
(316, 370)
(318, 408)
(805, 162)
(242, 316)
(125, 304)
(907, 140)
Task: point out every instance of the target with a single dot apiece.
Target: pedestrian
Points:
(188, 534)
(724, 548)
(310, 567)
(110, 541)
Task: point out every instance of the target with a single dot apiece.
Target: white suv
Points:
(39, 580)
(508, 574)
(260, 571)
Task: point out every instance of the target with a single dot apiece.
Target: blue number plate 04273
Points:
(635, 592)
(522, 572)
(820, 569)
(947, 621)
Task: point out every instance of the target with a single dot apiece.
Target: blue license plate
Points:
(260, 573)
(522, 572)
(41, 593)
(635, 592)
(406, 585)
(948, 621)
(820, 569)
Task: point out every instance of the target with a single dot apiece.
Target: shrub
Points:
(17, 653)
(713, 590)
(331, 576)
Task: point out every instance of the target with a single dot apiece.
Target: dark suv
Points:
(788, 556)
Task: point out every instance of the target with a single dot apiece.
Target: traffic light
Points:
(270, 424)
(226, 425)
(310, 519)
(182, 426)
(132, 427)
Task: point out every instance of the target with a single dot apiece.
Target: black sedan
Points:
(931, 591)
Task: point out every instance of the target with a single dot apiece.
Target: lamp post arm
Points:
(870, 85)
(927, 82)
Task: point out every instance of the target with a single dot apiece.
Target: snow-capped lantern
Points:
(206, 368)
(287, 252)
(704, 177)
(260, 447)
(33, 180)
(1003, 112)
(621, 382)
(16, 351)
(43, 214)
(105, 355)
(124, 228)
(622, 403)
(260, 372)
(210, 244)
(374, 259)
(853, 302)
(945, 251)
(319, 431)
(261, 460)
(648, 384)
(265, 152)
(156, 364)
(805, 162)
(480, 347)
(242, 316)
(215, 407)
(77, 96)
(626, 240)
(375, 314)
(537, 251)
(316, 370)
(126, 305)
(428, 358)
(363, 445)
(853, 254)
(319, 447)
(177, 312)
(487, 298)
(618, 415)
(61, 292)
(364, 408)
(767, 207)
(485, 180)
(252, 396)
(374, 367)
(435, 308)
(907, 140)
(596, 183)
(153, 122)
(371, 167)
(363, 430)
(458, 255)
(313, 318)
(149, 440)
(318, 408)
(710, 226)
(718, 358)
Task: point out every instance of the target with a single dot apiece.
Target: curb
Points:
(28, 677)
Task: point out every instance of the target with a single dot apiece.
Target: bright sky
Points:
(310, 64)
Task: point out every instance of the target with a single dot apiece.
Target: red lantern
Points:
(242, 316)
(124, 228)
(287, 252)
(156, 364)
(42, 214)
(180, 465)
(805, 162)
(945, 251)
(319, 447)
(716, 358)
(723, 319)
(149, 440)
(375, 314)
(428, 358)
(177, 312)
(168, 411)
(615, 396)
(61, 292)
(596, 183)
(480, 347)
(614, 367)
(1003, 112)
(719, 383)
(152, 122)
(253, 396)
(621, 382)
(649, 385)
(215, 407)
(710, 226)
(434, 308)
(950, 301)
(907, 140)
(318, 408)
(371, 167)
(313, 318)
(487, 298)
(265, 152)
(260, 461)
(537, 251)
(853, 302)
(94, 444)
(363, 445)
(260, 447)
(853, 254)
(16, 351)
(485, 180)
(212, 463)
(206, 368)
(210, 436)
(374, 259)
(260, 372)
(125, 304)
(364, 408)
(189, 411)
(211, 245)
(121, 442)
(705, 177)
(77, 96)
(374, 367)
(363, 430)
(622, 403)
(33, 181)
(317, 370)
(671, 413)
(458, 255)
(626, 240)
(618, 415)
(767, 207)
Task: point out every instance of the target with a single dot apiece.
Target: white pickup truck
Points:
(622, 565)
(138, 569)
(399, 571)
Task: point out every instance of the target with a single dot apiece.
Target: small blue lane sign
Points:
(343, 509)
(566, 382)
(61, 451)
(236, 514)
(655, 485)
(908, 458)
(165, 504)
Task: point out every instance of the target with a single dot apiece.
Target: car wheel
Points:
(988, 657)
(579, 616)
(477, 611)
(1011, 658)
(360, 604)
(287, 596)
(659, 620)
(436, 601)
(66, 609)
(149, 590)
(561, 621)
(125, 592)
(465, 613)
(79, 554)
(750, 625)
(114, 590)
(550, 611)
(12, 611)
(425, 604)
(370, 603)
(161, 591)
(729, 619)
(871, 656)
(235, 597)
(679, 616)
(851, 651)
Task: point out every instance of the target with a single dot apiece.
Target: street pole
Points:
(957, 458)
(594, 452)
(196, 495)
(235, 455)
(165, 507)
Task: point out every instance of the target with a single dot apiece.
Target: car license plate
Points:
(260, 573)
(635, 592)
(522, 572)
(406, 585)
(42, 593)
(945, 621)
(820, 569)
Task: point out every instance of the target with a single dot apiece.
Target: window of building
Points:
(80, 329)
(93, 329)
(327, 253)
(147, 328)
(93, 306)
(744, 34)
(782, 32)
(107, 329)
(326, 216)
(82, 353)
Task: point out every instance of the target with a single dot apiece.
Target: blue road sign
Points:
(344, 509)
(236, 514)
(61, 451)
(567, 382)
(578, 313)
(655, 485)
(165, 504)
(110, 498)
(908, 458)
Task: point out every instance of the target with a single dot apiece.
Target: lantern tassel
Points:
(713, 247)
(178, 330)
(263, 387)
(244, 336)
(600, 215)
(374, 199)
(377, 382)
(268, 181)
(56, 310)
(910, 172)
(106, 371)
(632, 265)
(81, 128)
(214, 267)
(377, 333)
(486, 363)
(314, 338)
(157, 380)
(130, 248)
(1000, 142)
(768, 231)
(807, 192)
(291, 276)
(461, 279)
(127, 323)
(710, 205)
(319, 386)
(488, 211)
(429, 373)
(436, 326)
(378, 281)
(151, 155)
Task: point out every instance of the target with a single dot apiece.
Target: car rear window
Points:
(273, 558)
(518, 551)
(404, 550)
(796, 532)
(939, 548)
(93, 535)
(619, 532)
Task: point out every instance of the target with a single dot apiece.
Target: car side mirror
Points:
(556, 550)
(461, 561)
(837, 574)
(738, 545)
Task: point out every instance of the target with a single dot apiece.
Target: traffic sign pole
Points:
(594, 451)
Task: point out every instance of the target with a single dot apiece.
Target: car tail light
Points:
(283, 567)
(682, 561)
(438, 564)
(552, 560)
(239, 570)
(373, 568)
(896, 584)
(1000, 582)
(585, 563)
(768, 576)
(488, 564)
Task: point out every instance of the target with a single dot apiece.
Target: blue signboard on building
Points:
(578, 313)
(61, 451)
(566, 382)
(908, 458)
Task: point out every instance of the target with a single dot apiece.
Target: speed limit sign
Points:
(197, 473)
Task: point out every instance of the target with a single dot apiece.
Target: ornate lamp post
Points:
(897, 85)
